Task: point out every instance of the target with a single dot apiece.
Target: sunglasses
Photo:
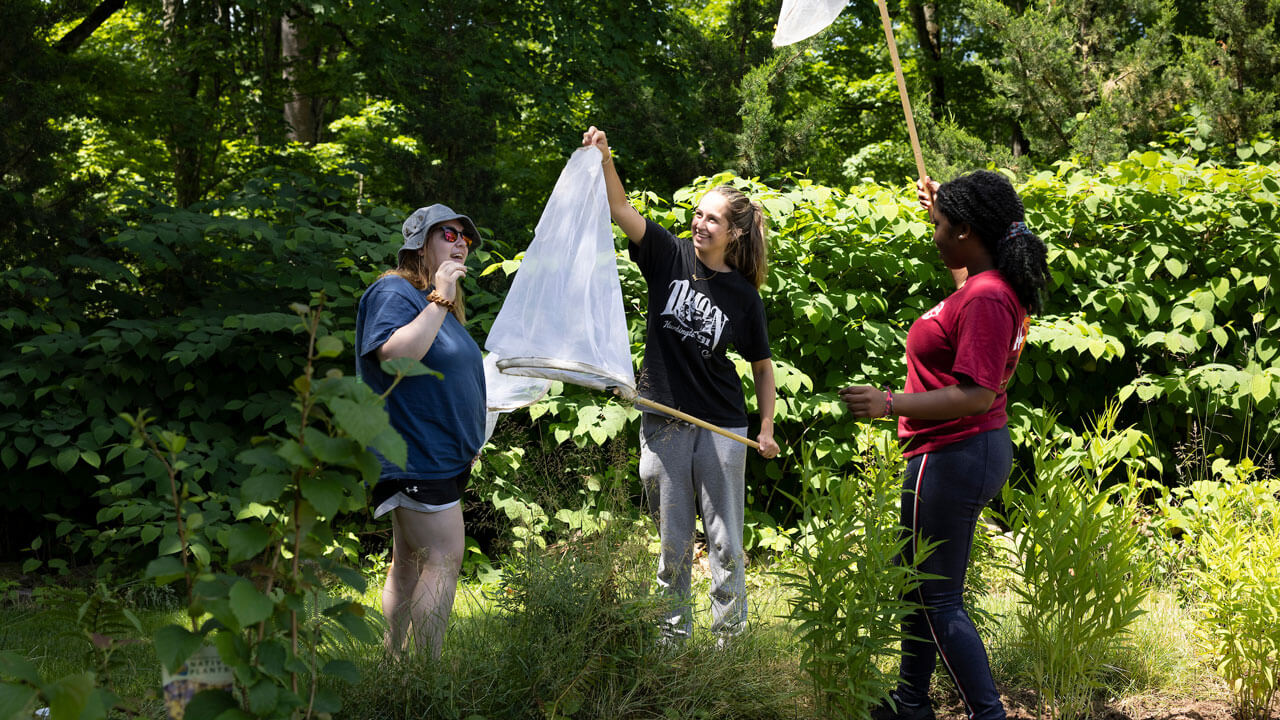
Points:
(451, 236)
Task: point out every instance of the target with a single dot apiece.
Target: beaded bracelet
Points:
(888, 402)
(438, 299)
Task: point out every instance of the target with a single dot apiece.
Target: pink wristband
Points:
(888, 402)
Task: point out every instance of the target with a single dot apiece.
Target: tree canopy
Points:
(478, 101)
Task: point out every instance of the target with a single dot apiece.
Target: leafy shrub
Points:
(851, 588)
(541, 489)
(1163, 265)
(178, 310)
(277, 627)
(262, 598)
(1161, 290)
(1076, 548)
(1232, 526)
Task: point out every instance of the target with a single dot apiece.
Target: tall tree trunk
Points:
(184, 138)
(186, 149)
(1018, 142)
(924, 14)
(172, 9)
(299, 110)
(269, 31)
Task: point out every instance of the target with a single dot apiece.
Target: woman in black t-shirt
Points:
(703, 297)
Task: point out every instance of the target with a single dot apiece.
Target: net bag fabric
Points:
(563, 318)
(800, 19)
(504, 393)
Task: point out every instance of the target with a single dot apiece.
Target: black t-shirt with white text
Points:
(692, 323)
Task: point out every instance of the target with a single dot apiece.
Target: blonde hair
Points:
(747, 251)
(413, 269)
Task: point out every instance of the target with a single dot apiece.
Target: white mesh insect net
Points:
(504, 393)
(800, 19)
(563, 318)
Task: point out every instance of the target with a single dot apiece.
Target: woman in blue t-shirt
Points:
(703, 298)
(416, 311)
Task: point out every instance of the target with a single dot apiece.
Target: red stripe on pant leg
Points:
(915, 534)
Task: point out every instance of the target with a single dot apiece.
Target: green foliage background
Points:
(160, 209)
(1162, 295)
(180, 180)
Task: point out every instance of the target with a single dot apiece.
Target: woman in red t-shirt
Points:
(952, 423)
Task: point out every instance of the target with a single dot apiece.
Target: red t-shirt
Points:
(976, 333)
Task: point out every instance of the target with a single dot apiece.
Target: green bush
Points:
(1163, 274)
(178, 310)
(1232, 526)
(541, 490)
(181, 311)
(1161, 288)
(1076, 549)
(267, 603)
(257, 567)
(850, 593)
(1161, 291)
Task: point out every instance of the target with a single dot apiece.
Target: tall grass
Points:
(849, 586)
(500, 662)
(1076, 546)
(571, 632)
(1232, 526)
(99, 631)
(568, 628)
(1157, 658)
(1219, 537)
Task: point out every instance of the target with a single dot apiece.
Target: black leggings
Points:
(943, 493)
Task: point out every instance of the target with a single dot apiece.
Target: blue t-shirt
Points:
(441, 420)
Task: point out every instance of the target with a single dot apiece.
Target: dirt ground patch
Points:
(1213, 704)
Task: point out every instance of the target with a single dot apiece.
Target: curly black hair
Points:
(987, 201)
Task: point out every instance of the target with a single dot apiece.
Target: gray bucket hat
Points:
(423, 219)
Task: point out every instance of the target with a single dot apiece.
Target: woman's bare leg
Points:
(426, 556)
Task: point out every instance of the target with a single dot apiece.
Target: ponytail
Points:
(1020, 258)
(748, 250)
(987, 201)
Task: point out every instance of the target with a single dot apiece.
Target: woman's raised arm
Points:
(627, 217)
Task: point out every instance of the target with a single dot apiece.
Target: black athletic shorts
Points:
(430, 492)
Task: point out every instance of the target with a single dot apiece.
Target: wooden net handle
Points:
(902, 88)
(691, 419)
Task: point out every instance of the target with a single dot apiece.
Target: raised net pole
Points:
(902, 88)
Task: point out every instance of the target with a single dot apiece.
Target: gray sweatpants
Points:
(684, 467)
